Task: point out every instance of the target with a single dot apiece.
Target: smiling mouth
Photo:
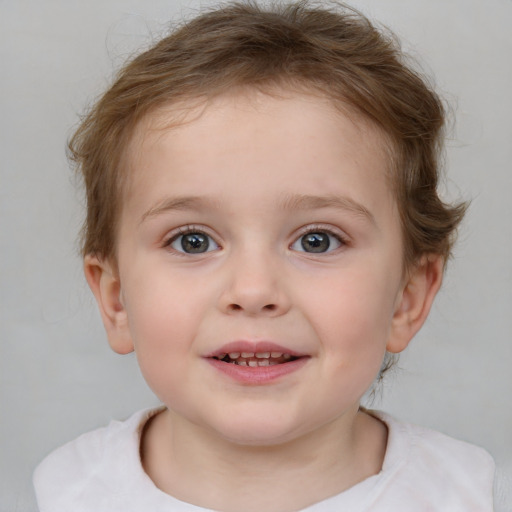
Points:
(255, 359)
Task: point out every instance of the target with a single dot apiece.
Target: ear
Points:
(106, 287)
(413, 307)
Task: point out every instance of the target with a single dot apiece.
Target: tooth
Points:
(234, 355)
(253, 363)
(265, 362)
(242, 363)
(276, 354)
(287, 356)
(262, 355)
(221, 356)
(272, 363)
(247, 354)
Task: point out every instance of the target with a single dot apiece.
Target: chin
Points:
(263, 430)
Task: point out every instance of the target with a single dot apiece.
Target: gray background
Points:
(59, 378)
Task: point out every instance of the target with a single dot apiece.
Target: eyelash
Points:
(311, 229)
(318, 228)
(183, 231)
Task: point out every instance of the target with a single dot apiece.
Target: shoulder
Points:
(106, 457)
(433, 469)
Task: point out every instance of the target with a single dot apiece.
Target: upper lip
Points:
(253, 347)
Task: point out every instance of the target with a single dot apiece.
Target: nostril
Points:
(268, 307)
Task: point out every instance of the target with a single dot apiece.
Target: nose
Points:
(254, 286)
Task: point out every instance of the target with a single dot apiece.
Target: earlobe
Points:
(415, 302)
(106, 287)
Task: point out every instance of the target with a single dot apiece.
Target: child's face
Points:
(263, 225)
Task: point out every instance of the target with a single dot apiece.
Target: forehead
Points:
(283, 144)
(193, 123)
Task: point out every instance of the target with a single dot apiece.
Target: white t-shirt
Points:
(423, 471)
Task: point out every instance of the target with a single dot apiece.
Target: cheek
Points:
(161, 306)
(163, 323)
(352, 315)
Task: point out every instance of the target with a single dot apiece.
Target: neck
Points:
(196, 466)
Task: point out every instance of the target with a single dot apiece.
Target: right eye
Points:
(193, 242)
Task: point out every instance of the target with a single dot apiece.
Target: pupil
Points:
(315, 242)
(194, 243)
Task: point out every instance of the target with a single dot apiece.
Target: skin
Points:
(249, 160)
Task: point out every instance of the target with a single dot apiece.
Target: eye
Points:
(193, 242)
(317, 241)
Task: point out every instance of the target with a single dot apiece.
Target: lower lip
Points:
(258, 375)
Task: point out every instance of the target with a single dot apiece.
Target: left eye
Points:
(317, 242)
(193, 243)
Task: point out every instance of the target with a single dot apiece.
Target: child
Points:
(264, 230)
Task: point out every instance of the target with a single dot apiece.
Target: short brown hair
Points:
(335, 51)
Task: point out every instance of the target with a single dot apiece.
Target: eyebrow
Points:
(312, 202)
(179, 203)
(292, 203)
